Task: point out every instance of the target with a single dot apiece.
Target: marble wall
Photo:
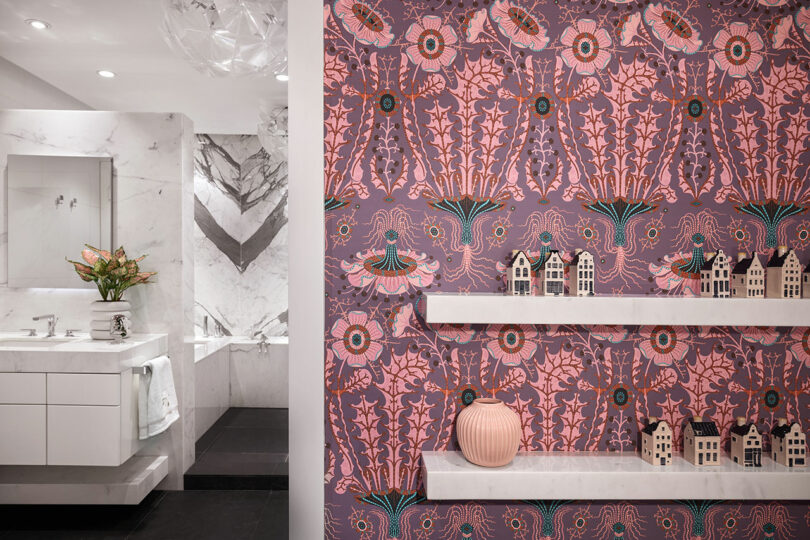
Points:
(240, 237)
(153, 167)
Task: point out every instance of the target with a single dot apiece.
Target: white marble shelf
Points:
(607, 476)
(484, 308)
(126, 484)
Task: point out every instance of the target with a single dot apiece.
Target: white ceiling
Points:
(124, 36)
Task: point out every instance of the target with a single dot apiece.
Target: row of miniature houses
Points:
(701, 443)
(546, 276)
(782, 278)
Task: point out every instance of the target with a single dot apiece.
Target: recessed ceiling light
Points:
(283, 77)
(105, 73)
(39, 25)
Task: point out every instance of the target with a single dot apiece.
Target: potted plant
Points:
(113, 274)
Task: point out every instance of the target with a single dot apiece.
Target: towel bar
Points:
(141, 370)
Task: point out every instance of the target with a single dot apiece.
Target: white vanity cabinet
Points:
(68, 418)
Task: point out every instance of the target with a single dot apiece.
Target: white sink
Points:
(33, 342)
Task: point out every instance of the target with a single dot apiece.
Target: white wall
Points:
(306, 227)
(22, 90)
(152, 161)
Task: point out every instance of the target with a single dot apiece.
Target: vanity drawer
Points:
(84, 389)
(82, 435)
(22, 388)
(23, 434)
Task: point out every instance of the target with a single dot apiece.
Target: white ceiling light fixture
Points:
(38, 24)
(283, 77)
(105, 73)
(228, 37)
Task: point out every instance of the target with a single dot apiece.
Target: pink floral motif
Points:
(431, 43)
(473, 24)
(457, 333)
(764, 335)
(779, 31)
(522, 29)
(609, 333)
(412, 270)
(670, 275)
(628, 28)
(669, 26)
(738, 46)
(803, 21)
(357, 339)
(512, 343)
(585, 47)
(801, 346)
(400, 319)
(664, 345)
(364, 23)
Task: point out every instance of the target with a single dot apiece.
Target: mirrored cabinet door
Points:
(56, 205)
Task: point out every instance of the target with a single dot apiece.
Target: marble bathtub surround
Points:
(240, 211)
(153, 171)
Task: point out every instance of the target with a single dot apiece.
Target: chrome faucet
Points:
(51, 323)
(205, 326)
(262, 341)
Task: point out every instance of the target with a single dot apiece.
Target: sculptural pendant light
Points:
(229, 37)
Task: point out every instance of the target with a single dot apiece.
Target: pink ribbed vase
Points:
(488, 432)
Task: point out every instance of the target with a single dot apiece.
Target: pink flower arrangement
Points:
(515, 23)
(365, 24)
(673, 29)
(357, 339)
(738, 48)
(585, 47)
(512, 344)
(113, 273)
(431, 44)
(664, 345)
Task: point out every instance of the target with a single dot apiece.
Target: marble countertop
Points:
(78, 354)
(607, 476)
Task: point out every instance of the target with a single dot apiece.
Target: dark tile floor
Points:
(235, 490)
(244, 449)
(163, 515)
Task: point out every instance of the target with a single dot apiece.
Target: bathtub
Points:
(236, 372)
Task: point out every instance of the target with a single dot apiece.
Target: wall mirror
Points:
(56, 205)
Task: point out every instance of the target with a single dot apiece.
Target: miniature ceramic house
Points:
(551, 275)
(656, 442)
(788, 444)
(519, 274)
(806, 282)
(746, 444)
(714, 276)
(701, 442)
(783, 274)
(748, 277)
(580, 274)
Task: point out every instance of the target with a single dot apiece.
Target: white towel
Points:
(157, 399)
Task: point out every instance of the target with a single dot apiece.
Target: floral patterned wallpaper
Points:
(648, 133)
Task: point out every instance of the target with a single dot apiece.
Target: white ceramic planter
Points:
(100, 315)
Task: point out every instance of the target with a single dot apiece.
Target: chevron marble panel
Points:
(240, 236)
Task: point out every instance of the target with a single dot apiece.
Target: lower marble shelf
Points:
(128, 483)
(607, 476)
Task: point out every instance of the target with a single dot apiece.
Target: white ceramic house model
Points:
(519, 274)
(551, 275)
(714, 276)
(656, 442)
(580, 274)
(783, 274)
(748, 277)
(701, 442)
(746, 444)
(806, 282)
(788, 444)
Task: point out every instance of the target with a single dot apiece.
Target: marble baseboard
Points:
(126, 484)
